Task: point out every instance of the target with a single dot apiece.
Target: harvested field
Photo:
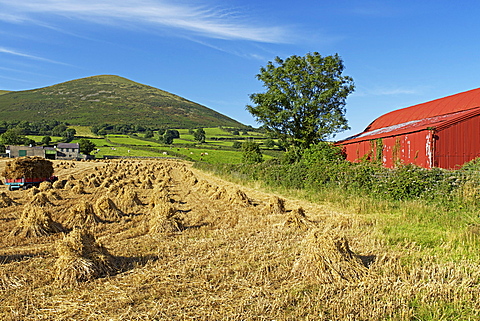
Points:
(158, 240)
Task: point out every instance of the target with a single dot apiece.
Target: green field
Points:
(84, 131)
(212, 151)
(128, 140)
(38, 138)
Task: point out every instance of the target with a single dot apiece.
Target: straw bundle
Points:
(28, 167)
(36, 221)
(239, 197)
(129, 199)
(81, 215)
(45, 186)
(276, 205)
(164, 219)
(146, 184)
(78, 190)
(219, 193)
(191, 178)
(33, 191)
(106, 183)
(298, 220)
(41, 200)
(58, 184)
(52, 194)
(81, 258)
(327, 258)
(162, 185)
(93, 182)
(107, 209)
(5, 200)
(159, 197)
(69, 185)
(114, 189)
(203, 187)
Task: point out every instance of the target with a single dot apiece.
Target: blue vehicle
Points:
(26, 183)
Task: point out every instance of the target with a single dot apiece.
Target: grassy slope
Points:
(111, 99)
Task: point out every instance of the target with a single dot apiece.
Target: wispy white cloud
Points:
(28, 56)
(198, 19)
(16, 18)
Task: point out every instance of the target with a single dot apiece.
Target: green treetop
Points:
(305, 98)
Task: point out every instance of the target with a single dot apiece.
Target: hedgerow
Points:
(321, 167)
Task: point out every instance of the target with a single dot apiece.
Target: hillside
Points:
(111, 99)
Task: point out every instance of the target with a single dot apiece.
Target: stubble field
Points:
(159, 240)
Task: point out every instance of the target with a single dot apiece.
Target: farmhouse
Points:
(68, 151)
(441, 133)
(20, 151)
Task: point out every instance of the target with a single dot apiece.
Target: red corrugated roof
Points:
(443, 106)
(436, 113)
(436, 122)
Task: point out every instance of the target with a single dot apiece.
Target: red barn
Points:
(441, 133)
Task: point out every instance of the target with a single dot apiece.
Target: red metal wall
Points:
(413, 148)
(457, 144)
(357, 150)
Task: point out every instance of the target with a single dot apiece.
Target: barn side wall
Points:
(413, 148)
(457, 144)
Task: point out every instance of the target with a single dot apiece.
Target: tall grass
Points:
(435, 210)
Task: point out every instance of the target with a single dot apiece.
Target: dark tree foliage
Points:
(148, 134)
(168, 136)
(124, 129)
(305, 98)
(69, 134)
(86, 146)
(175, 133)
(199, 135)
(15, 136)
(237, 145)
(46, 140)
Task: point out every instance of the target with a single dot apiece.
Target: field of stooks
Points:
(158, 240)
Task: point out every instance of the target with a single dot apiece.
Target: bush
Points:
(322, 152)
(251, 153)
(322, 167)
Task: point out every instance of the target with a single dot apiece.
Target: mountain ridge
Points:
(109, 99)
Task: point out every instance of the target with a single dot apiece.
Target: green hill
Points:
(108, 99)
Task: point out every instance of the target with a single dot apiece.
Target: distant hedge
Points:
(402, 183)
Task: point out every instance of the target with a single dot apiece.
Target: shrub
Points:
(251, 153)
(322, 152)
(237, 145)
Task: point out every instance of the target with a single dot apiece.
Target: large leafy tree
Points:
(86, 146)
(199, 135)
(15, 136)
(305, 98)
(168, 136)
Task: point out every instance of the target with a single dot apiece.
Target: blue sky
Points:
(399, 53)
